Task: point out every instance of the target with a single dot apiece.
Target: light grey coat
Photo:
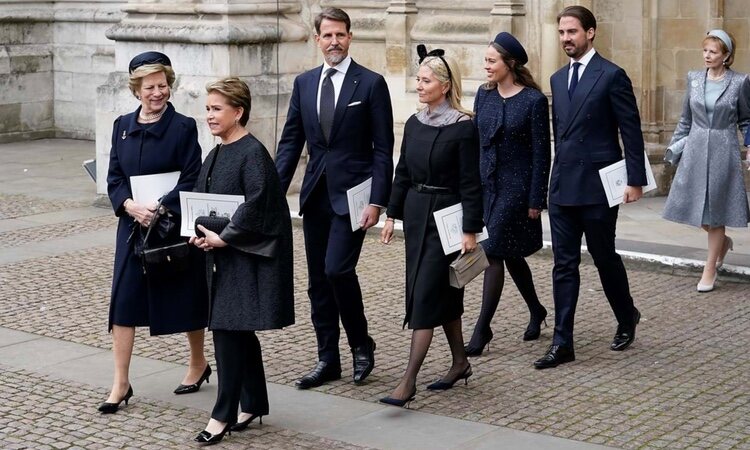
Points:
(711, 164)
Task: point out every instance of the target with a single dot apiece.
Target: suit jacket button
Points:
(580, 140)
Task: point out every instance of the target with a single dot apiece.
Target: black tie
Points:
(573, 80)
(327, 103)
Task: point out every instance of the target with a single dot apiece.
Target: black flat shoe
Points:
(556, 355)
(190, 388)
(477, 343)
(111, 408)
(401, 403)
(441, 385)
(534, 329)
(239, 426)
(205, 438)
(322, 372)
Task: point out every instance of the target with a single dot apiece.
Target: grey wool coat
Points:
(249, 292)
(711, 166)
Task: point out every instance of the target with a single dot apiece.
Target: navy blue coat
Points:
(361, 141)
(514, 165)
(166, 304)
(586, 132)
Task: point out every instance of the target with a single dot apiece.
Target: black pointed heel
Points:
(534, 329)
(205, 438)
(401, 403)
(190, 388)
(476, 347)
(441, 385)
(111, 408)
(239, 426)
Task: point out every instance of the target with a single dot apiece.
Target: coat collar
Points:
(157, 129)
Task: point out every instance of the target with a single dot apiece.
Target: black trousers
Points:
(598, 223)
(242, 380)
(332, 254)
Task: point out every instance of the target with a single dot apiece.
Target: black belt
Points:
(432, 189)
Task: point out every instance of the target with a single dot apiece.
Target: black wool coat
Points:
(249, 292)
(446, 157)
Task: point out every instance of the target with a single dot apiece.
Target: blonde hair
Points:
(136, 78)
(723, 46)
(437, 64)
(237, 93)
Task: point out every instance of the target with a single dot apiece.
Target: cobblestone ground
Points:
(683, 384)
(18, 205)
(37, 414)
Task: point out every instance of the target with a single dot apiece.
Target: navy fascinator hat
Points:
(148, 58)
(512, 46)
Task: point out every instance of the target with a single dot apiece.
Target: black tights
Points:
(494, 278)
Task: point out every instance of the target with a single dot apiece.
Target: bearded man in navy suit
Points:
(592, 100)
(343, 112)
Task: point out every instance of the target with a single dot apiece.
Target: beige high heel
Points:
(728, 245)
(707, 287)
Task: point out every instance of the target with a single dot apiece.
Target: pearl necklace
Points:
(715, 78)
(153, 116)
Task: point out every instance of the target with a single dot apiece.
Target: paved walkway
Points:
(682, 384)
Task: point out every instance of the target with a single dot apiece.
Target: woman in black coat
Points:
(513, 121)
(154, 139)
(251, 288)
(438, 168)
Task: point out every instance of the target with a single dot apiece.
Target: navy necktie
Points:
(327, 103)
(573, 80)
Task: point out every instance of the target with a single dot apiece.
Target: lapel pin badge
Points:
(124, 134)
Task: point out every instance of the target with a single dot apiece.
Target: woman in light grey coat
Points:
(708, 189)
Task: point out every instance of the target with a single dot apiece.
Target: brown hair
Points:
(729, 60)
(586, 17)
(236, 92)
(439, 67)
(136, 78)
(520, 73)
(331, 13)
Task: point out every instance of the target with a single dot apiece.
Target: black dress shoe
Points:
(555, 356)
(625, 336)
(363, 360)
(322, 372)
(239, 426)
(111, 408)
(190, 388)
(205, 438)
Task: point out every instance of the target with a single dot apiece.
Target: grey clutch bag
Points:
(467, 267)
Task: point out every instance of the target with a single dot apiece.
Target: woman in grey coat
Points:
(250, 288)
(708, 189)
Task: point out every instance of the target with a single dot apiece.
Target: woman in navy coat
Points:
(153, 139)
(513, 121)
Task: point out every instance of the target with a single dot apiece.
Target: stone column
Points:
(207, 40)
(508, 16)
(400, 54)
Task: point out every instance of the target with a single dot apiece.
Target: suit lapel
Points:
(351, 81)
(310, 102)
(588, 80)
(560, 100)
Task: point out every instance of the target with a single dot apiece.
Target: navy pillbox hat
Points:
(512, 46)
(148, 58)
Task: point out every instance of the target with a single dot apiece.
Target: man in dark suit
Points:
(592, 99)
(343, 112)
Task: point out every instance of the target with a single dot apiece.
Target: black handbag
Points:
(170, 258)
(210, 222)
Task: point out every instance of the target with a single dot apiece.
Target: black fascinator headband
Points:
(438, 53)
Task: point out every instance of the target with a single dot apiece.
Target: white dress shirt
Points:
(585, 60)
(337, 78)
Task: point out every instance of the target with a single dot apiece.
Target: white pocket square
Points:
(353, 104)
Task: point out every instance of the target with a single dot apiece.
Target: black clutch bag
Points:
(171, 258)
(210, 222)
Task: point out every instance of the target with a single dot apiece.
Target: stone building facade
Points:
(63, 63)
